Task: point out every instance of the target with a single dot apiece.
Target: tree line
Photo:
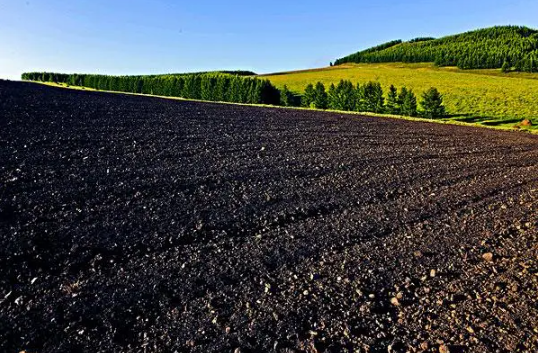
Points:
(223, 87)
(507, 47)
(212, 86)
(368, 97)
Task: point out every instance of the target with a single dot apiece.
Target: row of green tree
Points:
(369, 97)
(507, 47)
(222, 87)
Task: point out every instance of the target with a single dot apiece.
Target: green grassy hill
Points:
(486, 96)
(514, 47)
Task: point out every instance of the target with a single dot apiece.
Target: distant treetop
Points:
(231, 72)
(420, 39)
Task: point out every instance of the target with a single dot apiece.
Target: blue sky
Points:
(163, 36)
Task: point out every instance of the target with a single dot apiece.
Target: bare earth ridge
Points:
(136, 224)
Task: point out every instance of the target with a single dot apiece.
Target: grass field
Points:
(500, 124)
(487, 97)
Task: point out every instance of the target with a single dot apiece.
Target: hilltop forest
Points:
(506, 47)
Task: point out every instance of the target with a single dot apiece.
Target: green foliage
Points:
(343, 96)
(370, 98)
(308, 96)
(269, 94)
(488, 94)
(421, 39)
(289, 98)
(407, 102)
(234, 72)
(331, 96)
(285, 96)
(321, 100)
(366, 98)
(393, 107)
(480, 49)
(432, 104)
(211, 86)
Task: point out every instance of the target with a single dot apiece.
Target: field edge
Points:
(351, 113)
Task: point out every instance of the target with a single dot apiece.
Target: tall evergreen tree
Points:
(309, 96)
(332, 96)
(320, 97)
(235, 89)
(371, 97)
(392, 101)
(343, 96)
(207, 86)
(401, 97)
(285, 95)
(222, 89)
(269, 93)
(256, 88)
(408, 102)
(432, 104)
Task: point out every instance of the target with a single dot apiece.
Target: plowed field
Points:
(138, 224)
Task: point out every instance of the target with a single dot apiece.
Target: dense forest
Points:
(507, 47)
(212, 86)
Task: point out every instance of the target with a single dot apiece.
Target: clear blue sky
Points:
(163, 36)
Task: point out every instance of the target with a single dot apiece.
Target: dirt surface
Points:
(136, 224)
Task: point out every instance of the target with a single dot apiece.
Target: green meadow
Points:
(486, 97)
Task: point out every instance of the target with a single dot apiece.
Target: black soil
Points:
(136, 224)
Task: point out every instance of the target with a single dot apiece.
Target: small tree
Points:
(269, 93)
(321, 100)
(392, 101)
(408, 102)
(401, 96)
(332, 97)
(432, 104)
(285, 96)
(309, 95)
(349, 96)
(370, 97)
(343, 96)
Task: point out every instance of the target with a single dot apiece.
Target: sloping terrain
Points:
(136, 224)
(488, 48)
(477, 95)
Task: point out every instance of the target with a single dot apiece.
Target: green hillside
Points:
(486, 96)
(508, 47)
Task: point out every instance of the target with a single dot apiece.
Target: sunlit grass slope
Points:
(484, 94)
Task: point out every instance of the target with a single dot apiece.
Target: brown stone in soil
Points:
(488, 257)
